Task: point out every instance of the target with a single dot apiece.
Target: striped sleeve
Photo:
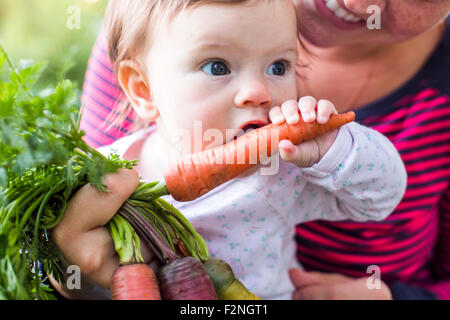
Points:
(441, 263)
(100, 98)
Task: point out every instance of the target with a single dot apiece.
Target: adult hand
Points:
(82, 236)
(331, 286)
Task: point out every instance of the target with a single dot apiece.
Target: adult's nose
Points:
(253, 92)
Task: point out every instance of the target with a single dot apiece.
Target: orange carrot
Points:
(194, 175)
(134, 282)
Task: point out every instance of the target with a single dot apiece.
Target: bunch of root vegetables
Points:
(187, 273)
(184, 277)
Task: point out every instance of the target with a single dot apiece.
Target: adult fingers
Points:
(81, 236)
(93, 252)
(90, 208)
(319, 292)
(301, 279)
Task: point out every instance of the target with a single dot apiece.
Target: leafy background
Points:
(37, 30)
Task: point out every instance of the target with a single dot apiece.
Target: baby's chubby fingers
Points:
(288, 151)
(289, 109)
(287, 112)
(302, 155)
(324, 110)
(307, 106)
(276, 116)
(310, 109)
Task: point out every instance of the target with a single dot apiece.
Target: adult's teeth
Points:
(333, 5)
(349, 17)
(339, 12)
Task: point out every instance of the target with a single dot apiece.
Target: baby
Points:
(226, 66)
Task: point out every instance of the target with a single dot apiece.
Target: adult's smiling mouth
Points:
(341, 12)
(337, 14)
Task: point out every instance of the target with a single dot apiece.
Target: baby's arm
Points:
(362, 177)
(352, 173)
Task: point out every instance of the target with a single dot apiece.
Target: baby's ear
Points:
(136, 88)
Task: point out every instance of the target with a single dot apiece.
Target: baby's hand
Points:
(310, 152)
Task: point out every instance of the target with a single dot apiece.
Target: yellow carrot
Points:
(225, 283)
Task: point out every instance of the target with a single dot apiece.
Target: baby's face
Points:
(220, 68)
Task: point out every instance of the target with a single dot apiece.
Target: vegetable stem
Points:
(162, 250)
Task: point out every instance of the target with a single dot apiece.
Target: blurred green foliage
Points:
(61, 32)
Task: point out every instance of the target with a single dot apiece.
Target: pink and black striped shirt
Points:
(412, 246)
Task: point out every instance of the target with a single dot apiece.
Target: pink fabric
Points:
(101, 98)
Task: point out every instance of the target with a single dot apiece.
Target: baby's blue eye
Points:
(216, 68)
(277, 69)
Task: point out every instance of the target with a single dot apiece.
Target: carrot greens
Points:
(43, 162)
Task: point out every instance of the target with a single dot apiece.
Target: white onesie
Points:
(250, 221)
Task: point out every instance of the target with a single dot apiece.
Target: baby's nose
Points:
(253, 93)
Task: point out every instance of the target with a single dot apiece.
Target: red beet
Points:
(186, 279)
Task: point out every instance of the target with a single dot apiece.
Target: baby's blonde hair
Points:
(129, 23)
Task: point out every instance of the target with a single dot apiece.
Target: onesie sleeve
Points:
(361, 178)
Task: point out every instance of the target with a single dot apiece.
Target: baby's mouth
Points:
(246, 128)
